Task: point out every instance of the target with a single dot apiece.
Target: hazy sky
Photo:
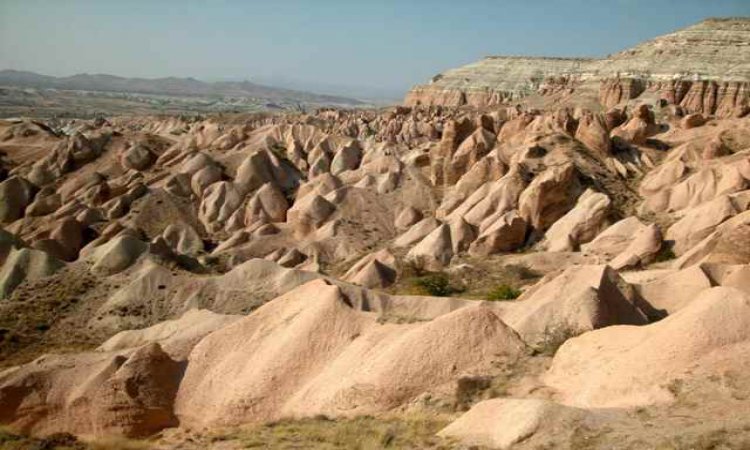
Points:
(387, 45)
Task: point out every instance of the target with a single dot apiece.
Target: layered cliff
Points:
(704, 68)
(499, 79)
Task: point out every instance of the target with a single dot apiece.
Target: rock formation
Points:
(702, 68)
(546, 266)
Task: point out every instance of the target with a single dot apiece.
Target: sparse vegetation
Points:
(665, 254)
(357, 204)
(476, 280)
(469, 388)
(409, 431)
(29, 316)
(119, 443)
(396, 318)
(505, 376)
(437, 285)
(10, 440)
(675, 386)
(503, 292)
(278, 150)
(710, 440)
(584, 437)
(523, 272)
(552, 338)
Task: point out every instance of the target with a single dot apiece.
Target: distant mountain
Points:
(369, 94)
(171, 86)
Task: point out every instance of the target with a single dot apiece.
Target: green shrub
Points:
(7, 436)
(665, 254)
(436, 285)
(503, 292)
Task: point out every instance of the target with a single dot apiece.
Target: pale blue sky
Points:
(383, 45)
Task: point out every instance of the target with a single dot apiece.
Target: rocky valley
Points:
(91, 96)
(530, 253)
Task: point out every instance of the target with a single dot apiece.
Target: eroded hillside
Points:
(543, 253)
(249, 269)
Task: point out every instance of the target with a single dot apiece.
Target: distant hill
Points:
(172, 86)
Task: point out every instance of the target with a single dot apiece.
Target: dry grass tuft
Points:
(364, 433)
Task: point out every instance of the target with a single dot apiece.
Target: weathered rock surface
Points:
(176, 337)
(434, 251)
(15, 195)
(129, 393)
(630, 366)
(580, 299)
(503, 422)
(642, 250)
(549, 196)
(581, 224)
(696, 67)
(25, 264)
(340, 361)
(118, 254)
(507, 233)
